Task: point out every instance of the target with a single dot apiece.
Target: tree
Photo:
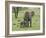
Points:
(16, 10)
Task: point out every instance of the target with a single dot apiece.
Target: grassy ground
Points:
(35, 20)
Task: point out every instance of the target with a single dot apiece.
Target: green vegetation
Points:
(35, 19)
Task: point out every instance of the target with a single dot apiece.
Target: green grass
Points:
(35, 20)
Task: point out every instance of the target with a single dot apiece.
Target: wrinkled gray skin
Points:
(27, 19)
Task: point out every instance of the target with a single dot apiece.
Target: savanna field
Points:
(35, 19)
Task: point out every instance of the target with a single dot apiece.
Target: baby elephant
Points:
(24, 23)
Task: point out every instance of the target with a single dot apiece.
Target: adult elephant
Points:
(28, 18)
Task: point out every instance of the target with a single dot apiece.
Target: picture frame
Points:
(8, 18)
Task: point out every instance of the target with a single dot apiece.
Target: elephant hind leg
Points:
(30, 24)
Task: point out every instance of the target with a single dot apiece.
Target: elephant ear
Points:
(32, 13)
